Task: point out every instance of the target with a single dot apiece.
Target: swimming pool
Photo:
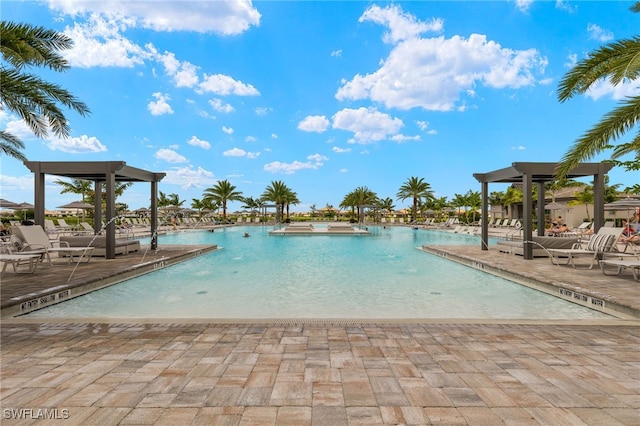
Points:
(382, 275)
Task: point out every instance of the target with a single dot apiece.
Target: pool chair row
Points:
(30, 245)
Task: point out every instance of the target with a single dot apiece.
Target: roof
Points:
(94, 170)
(540, 172)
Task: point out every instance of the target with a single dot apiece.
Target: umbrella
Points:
(554, 206)
(24, 206)
(79, 205)
(8, 204)
(624, 204)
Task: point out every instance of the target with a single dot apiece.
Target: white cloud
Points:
(524, 5)
(572, 60)
(314, 123)
(184, 74)
(170, 156)
(433, 73)
(423, 125)
(315, 161)
(195, 141)
(160, 107)
(598, 33)
(404, 138)
(621, 91)
(222, 17)
(76, 145)
(22, 183)
(337, 52)
(343, 170)
(224, 85)
(227, 130)
(274, 136)
(566, 6)
(367, 124)
(220, 106)
(263, 110)
(339, 150)
(250, 139)
(238, 152)
(188, 177)
(519, 148)
(99, 43)
(402, 26)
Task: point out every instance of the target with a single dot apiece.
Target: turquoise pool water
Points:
(378, 276)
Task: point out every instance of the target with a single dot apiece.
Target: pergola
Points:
(105, 173)
(528, 174)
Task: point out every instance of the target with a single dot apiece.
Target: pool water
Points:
(382, 275)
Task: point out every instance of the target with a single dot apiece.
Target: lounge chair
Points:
(17, 260)
(36, 241)
(619, 264)
(605, 241)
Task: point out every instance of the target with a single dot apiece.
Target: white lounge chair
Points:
(619, 264)
(18, 260)
(604, 241)
(36, 241)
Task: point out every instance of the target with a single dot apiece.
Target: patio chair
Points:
(605, 241)
(36, 241)
(18, 260)
(619, 264)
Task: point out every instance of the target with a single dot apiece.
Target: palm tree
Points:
(584, 197)
(291, 198)
(30, 97)
(474, 201)
(277, 192)
(222, 193)
(417, 189)
(358, 199)
(618, 61)
(77, 186)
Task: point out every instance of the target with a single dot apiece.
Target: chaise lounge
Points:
(99, 244)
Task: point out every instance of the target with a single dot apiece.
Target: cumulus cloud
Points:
(337, 52)
(160, 106)
(400, 25)
(524, 5)
(263, 110)
(224, 85)
(339, 150)
(367, 124)
(220, 106)
(195, 141)
(227, 130)
(170, 156)
(76, 145)
(222, 17)
(314, 123)
(238, 152)
(22, 183)
(184, 73)
(315, 161)
(598, 33)
(433, 73)
(188, 177)
(618, 92)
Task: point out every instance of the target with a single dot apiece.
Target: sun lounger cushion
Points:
(123, 246)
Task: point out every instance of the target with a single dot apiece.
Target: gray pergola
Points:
(539, 173)
(105, 173)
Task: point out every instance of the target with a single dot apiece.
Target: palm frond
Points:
(617, 61)
(611, 127)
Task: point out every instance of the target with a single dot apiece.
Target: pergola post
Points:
(598, 200)
(154, 215)
(527, 214)
(484, 226)
(38, 197)
(97, 204)
(540, 209)
(110, 213)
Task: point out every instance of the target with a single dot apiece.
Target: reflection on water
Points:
(376, 276)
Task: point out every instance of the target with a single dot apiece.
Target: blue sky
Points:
(325, 96)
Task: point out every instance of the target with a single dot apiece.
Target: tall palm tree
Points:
(584, 197)
(277, 192)
(35, 100)
(618, 61)
(416, 189)
(359, 199)
(77, 186)
(291, 198)
(222, 192)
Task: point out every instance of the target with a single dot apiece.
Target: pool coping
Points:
(30, 302)
(581, 296)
